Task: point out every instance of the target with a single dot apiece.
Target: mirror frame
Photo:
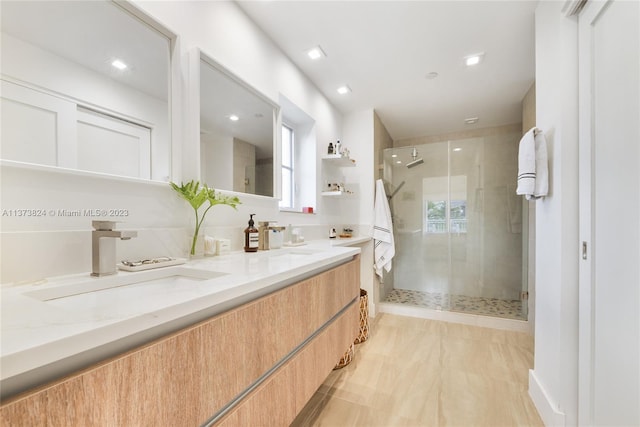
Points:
(173, 105)
(175, 92)
(196, 56)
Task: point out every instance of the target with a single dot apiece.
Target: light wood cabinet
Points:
(277, 401)
(188, 377)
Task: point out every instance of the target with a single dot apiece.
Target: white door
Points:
(609, 78)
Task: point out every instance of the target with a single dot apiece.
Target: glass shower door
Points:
(458, 226)
(419, 209)
(434, 194)
(467, 225)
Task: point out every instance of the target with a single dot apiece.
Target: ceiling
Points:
(384, 49)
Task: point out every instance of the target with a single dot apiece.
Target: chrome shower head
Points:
(415, 161)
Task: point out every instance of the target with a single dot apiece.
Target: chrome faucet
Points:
(103, 246)
(264, 228)
(263, 236)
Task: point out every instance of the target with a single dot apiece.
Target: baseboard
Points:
(546, 408)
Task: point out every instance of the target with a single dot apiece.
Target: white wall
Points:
(33, 248)
(358, 138)
(553, 381)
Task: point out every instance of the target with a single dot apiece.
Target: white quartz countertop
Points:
(43, 337)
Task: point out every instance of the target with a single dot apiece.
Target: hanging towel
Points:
(533, 173)
(384, 247)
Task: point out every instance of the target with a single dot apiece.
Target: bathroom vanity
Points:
(248, 346)
(237, 339)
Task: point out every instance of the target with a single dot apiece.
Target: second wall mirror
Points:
(237, 133)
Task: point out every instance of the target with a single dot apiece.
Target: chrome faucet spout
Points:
(103, 246)
(117, 234)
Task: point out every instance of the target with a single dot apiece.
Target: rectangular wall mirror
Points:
(237, 133)
(86, 86)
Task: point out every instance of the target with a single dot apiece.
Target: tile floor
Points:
(419, 372)
(511, 309)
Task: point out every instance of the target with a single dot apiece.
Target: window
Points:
(298, 158)
(445, 204)
(458, 216)
(437, 216)
(288, 180)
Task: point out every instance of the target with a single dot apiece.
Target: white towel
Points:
(533, 173)
(384, 247)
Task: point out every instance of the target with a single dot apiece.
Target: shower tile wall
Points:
(477, 250)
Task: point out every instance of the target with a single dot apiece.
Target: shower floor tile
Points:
(511, 309)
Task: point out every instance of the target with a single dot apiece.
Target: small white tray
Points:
(175, 261)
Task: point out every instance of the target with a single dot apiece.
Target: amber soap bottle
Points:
(251, 236)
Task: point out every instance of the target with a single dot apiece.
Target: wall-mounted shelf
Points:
(330, 164)
(338, 160)
(336, 193)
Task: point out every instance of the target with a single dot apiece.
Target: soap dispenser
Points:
(251, 236)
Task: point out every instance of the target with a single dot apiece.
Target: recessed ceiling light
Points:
(316, 53)
(432, 75)
(457, 149)
(119, 64)
(234, 118)
(342, 90)
(394, 155)
(474, 59)
(399, 162)
(471, 120)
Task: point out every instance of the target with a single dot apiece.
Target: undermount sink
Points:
(123, 286)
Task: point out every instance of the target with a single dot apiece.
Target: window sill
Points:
(296, 211)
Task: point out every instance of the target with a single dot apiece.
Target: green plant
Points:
(197, 195)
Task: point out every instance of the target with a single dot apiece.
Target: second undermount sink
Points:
(123, 286)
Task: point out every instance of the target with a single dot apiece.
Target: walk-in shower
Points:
(458, 227)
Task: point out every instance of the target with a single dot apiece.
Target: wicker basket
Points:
(363, 334)
(346, 359)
